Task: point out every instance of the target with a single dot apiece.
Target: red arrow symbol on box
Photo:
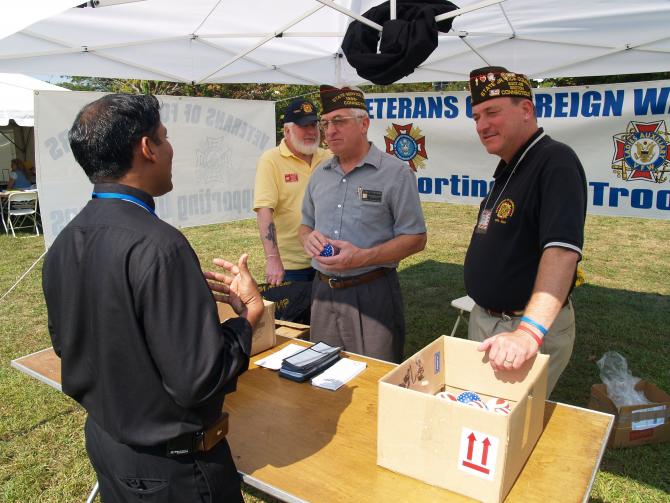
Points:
(471, 445)
(485, 452)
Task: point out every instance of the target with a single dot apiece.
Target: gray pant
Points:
(557, 343)
(365, 319)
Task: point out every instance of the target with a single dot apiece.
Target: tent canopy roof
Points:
(298, 41)
(17, 97)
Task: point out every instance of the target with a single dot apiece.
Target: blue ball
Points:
(327, 251)
(468, 396)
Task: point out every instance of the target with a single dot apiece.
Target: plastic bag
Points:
(619, 380)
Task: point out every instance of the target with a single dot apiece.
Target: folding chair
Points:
(22, 208)
(463, 304)
(3, 207)
(94, 493)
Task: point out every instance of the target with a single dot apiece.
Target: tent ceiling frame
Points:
(469, 39)
(611, 49)
(278, 69)
(507, 19)
(624, 48)
(378, 27)
(255, 61)
(265, 40)
(93, 52)
(479, 55)
(204, 19)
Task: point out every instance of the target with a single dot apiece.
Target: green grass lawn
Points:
(624, 306)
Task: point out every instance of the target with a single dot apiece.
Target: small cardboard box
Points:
(471, 451)
(264, 336)
(635, 424)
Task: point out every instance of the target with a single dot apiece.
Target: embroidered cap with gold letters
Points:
(492, 82)
(301, 112)
(333, 98)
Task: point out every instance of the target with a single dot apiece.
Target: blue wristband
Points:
(535, 324)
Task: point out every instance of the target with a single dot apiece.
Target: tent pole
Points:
(11, 141)
(465, 10)
(475, 50)
(278, 33)
(351, 14)
(23, 275)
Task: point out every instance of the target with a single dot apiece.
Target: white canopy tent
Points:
(298, 41)
(17, 15)
(17, 103)
(17, 98)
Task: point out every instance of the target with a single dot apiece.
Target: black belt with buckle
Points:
(348, 282)
(505, 315)
(508, 315)
(199, 441)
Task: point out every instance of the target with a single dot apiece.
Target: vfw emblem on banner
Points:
(407, 144)
(214, 161)
(641, 153)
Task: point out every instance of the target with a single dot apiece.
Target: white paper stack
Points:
(339, 374)
(274, 360)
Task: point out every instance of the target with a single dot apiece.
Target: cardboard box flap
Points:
(424, 371)
(264, 336)
(467, 368)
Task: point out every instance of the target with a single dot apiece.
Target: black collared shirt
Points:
(542, 205)
(135, 324)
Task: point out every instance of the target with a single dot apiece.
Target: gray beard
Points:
(305, 149)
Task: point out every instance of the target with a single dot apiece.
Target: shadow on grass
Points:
(11, 435)
(428, 289)
(635, 324)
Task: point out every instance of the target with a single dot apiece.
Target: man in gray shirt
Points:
(362, 208)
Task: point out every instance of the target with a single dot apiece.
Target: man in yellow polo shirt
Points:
(281, 178)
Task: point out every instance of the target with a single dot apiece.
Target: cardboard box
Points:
(471, 451)
(635, 424)
(264, 336)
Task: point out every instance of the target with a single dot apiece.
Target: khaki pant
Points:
(557, 343)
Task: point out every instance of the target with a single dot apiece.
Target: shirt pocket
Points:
(372, 212)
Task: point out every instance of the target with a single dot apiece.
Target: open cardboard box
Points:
(635, 424)
(264, 336)
(471, 451)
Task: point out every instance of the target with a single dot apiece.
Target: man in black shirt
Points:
(135, 323)
(521, 262)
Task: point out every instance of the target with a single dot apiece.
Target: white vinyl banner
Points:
(216, 145)
(619, 132)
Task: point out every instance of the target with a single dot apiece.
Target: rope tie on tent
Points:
(405, 43)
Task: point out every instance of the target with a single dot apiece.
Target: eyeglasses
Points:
(337, 122)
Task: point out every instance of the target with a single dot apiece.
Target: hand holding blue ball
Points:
(328, 251)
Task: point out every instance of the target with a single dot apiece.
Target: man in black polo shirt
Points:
(135, 324)
(521, 262)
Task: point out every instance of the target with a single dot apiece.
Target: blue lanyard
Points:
(124, 197)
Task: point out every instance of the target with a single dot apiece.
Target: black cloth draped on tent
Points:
(406, 42)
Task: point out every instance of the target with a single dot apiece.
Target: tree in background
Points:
(282, 93)
(603, 79)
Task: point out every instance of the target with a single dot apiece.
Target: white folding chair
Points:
(94, 493)
(463, 304)
(3, 206)
(22, 209)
